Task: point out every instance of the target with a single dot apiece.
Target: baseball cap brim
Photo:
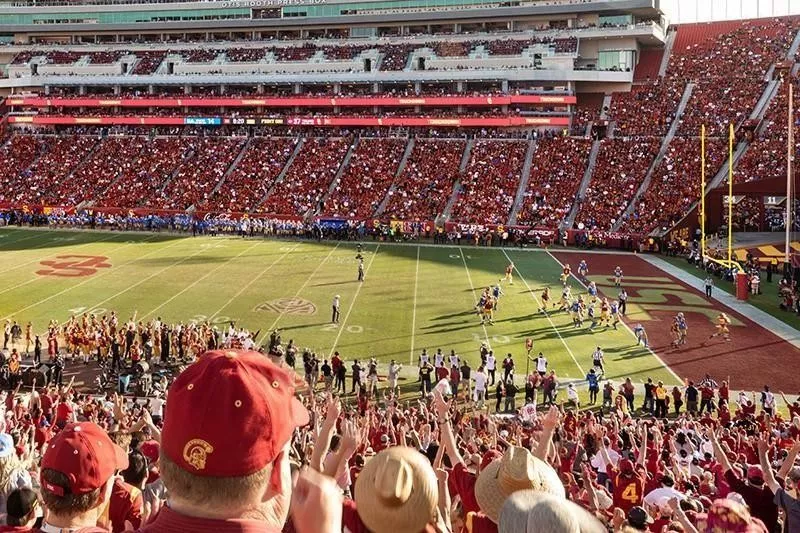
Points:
(299, 413)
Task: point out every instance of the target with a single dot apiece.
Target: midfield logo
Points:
(73, 266)
(288, 306)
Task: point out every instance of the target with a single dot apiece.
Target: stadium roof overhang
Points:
(643, 8)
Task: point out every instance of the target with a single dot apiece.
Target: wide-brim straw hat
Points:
(517, 470)
(397, 492)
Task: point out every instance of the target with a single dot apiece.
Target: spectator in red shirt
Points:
(224, 448)
(77, 477)
(64, 412)
(126, 496)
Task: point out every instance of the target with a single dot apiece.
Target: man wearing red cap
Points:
(224, 446)
(77, 477)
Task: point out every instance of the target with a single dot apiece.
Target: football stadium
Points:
(395, 266)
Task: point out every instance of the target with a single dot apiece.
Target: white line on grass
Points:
(47, 241)
(90, 279)
(549, 318)
(249, 283)
(624, 323)
(353, 302)
(18, 285)
(303, 286)
(474, 299)
(198, 280)
(414, 312)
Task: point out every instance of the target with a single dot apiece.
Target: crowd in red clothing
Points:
(556, 172)
(620, 169)
(647, 109)
(308, 179)
(366, 181)
(490, 182)
(426, 183)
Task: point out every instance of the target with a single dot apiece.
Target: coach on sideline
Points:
(225, 452)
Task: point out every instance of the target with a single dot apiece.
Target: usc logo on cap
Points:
(196, 453)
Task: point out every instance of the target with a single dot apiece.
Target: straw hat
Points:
(517, 470)
(397, 492)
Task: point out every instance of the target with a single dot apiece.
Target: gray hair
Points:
(530, 511)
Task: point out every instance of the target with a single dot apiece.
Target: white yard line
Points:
(625, 324)
(35, 235)
(353, 301)
(249, 283)
(549, 318)
(474, 299)
(414, 312)
(67, 250)
(303, 286)
(91, 278)
(198, 280)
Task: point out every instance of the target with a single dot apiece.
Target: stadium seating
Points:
(558, 166)
(249, 182)
(308, 178)
(648, 109)
(154, 166)
(60, 157)
(367, 179)
(620, 169)
(588, 110)
(16, 154)
(649, 64)
(205, 162)
(490, 182)
(427, 180)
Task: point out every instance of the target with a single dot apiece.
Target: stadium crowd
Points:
(334, 447)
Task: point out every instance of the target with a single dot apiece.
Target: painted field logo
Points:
(288, 306)
(73, 266)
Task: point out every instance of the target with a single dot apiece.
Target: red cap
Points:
(149, 449)
(755, 472)
(626, 466)
(85, 454)
(490, 456)
(230, 414)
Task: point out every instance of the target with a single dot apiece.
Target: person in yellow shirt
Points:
(660, 393)
(723, 321)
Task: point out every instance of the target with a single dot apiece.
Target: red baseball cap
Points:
(490, 456)
(150, 449)
(85, 454)
(230, 414)
(626, 465)
(755, 472)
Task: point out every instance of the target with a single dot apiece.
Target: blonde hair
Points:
(8, 466)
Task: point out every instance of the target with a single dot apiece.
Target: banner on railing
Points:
(363, 101)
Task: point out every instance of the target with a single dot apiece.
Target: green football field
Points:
(414, 297)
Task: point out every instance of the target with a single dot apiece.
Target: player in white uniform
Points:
(438, 358)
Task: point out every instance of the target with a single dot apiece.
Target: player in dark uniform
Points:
(360, 269)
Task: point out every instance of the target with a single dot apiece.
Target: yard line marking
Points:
(256, 278)
(353, 301)
(18, 285)
(275, 323)
(39, 259)
(91, 278)
(624, 323)
(198, 280)
(151, 276)
(33, 236)
(549, 318)
(474, 299)
(414, 312)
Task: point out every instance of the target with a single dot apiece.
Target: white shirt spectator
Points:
(600, 464)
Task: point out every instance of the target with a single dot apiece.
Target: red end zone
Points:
(753, 358)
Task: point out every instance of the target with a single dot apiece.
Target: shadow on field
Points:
(14, 239)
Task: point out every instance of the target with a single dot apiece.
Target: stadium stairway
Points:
(286, 167)
(673, 128)
(403, 160)
(587, 178)
(794, 47)
(339, 173)
(670, 42)
(232, 167)
(523, 183)
(186, 158)
(445, 216)
(89, 156)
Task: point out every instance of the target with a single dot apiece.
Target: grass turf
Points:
(414, 297)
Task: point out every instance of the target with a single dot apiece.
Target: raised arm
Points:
(789, 462)
(769, 475)
(548, 428)
(326, 432)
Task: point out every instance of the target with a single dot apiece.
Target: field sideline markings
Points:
(353, 301)
(18, 285)
(549, 318)
(198, 280)
(414, 312)
(474, 299)
(624, 323)
(249, 283)
(28, 237)
(92, 278)
(303, 286)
